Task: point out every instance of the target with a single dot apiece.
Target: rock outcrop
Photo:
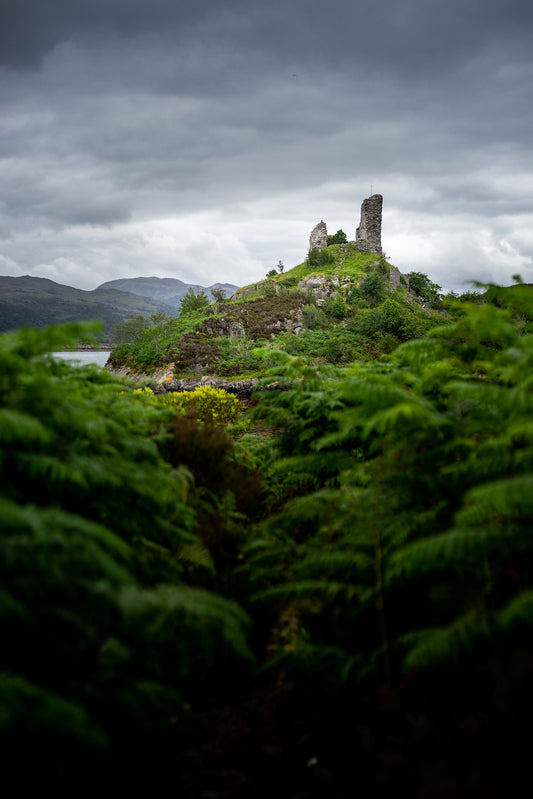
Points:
(319, 237)
(322, 287)
(368, 234)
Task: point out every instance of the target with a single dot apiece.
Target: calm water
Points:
(84, 356)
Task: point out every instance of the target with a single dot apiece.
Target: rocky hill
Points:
(340, 305)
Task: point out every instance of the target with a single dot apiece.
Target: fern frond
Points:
(460, 550)
(26, 706)
(436, 645)
(345, 562)
(304, 589)
(509, 499)
(518, 611)
(22, 430)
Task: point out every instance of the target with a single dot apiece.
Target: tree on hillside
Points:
(338, 238)
(373, 288)
(423, 287)
(218, 294)
(193, 301)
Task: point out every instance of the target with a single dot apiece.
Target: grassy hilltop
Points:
(338, 306)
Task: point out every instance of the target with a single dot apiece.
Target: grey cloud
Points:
(117, 114)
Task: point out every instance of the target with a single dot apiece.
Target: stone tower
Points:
(368, 234)
(319, 237)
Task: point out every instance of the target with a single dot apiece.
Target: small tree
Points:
(422, 286)
(218, 294)
(338, 238)
(193, 301)
(271, 273)
(319, 257)
(335, 306)
(280, 267)
(373, 289)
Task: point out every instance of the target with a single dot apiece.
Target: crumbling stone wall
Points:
(368, 234)
(319, 237)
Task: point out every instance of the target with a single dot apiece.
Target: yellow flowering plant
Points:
(207, 403)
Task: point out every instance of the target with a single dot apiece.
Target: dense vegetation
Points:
(351, 313)
(343, 606)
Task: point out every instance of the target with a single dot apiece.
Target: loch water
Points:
(84, 356)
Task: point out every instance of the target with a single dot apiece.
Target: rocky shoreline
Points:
(167, 383)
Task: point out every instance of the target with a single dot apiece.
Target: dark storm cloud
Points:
(246, 116)
(406, 35)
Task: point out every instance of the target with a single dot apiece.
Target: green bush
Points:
(373, 287)
(193, 351)
(320, 257)
(424, 288)
(206, 403)
(193, 300)
(338, 238)
(314, 317)
(335, 306)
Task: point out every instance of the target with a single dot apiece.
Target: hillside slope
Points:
(38, 302)
(339, 306)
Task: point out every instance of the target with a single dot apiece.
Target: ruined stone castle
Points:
(367, 235)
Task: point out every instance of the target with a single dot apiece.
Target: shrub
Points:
(218, 294)
(267, 289)
(338, 238)
(373, 288)
(314, 317)
(422, 286)
(318, 257)
(193, 350)
(289, 282)
(208, 404)
(194, 300)
(391, 317)
(335, 306)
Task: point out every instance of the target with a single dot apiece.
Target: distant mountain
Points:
(39, 302)
(164, 289)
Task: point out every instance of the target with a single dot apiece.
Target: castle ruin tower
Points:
(368, 234)
(319, 237)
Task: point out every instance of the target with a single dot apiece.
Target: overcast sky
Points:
(204, 139)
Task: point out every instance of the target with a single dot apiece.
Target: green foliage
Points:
(193, 300)
(335, 306)
(369, 543)
(400, 539)
(424, 288)
(218, 294)
(193, 352)
(391, 317)
(143, 343)
(94, 523)
(206, 403)
(314, 317)
(320, 257)
(338, 238)
(373, 287)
